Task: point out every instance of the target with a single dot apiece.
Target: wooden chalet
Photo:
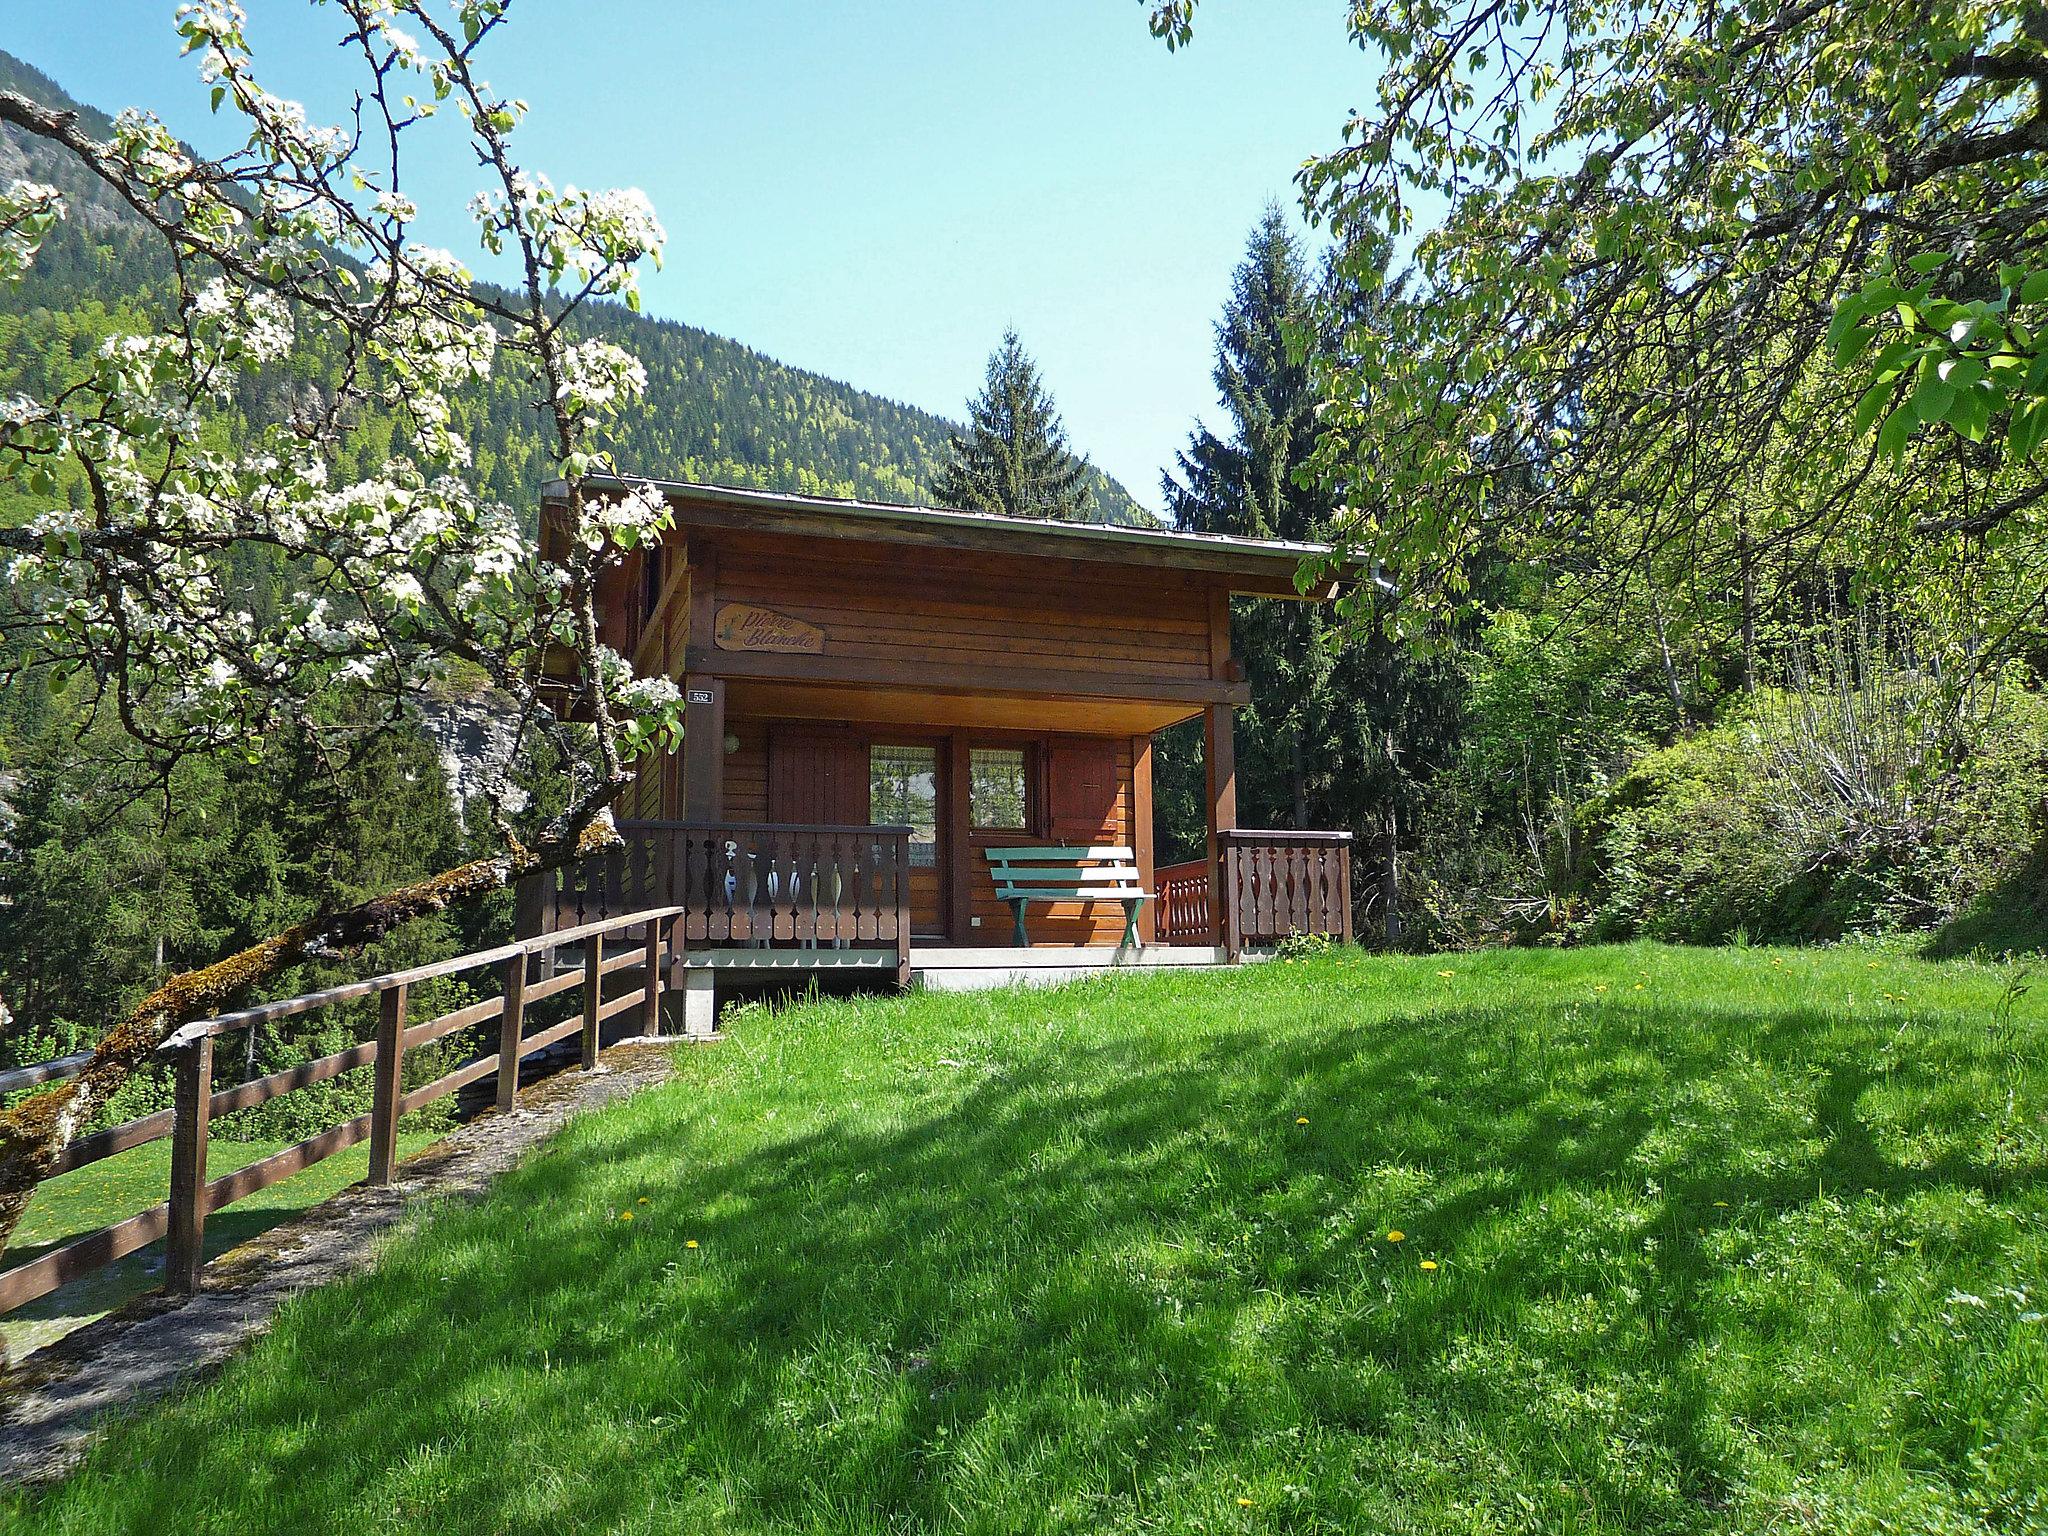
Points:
(897, 716)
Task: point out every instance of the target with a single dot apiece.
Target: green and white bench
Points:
(1025, 875)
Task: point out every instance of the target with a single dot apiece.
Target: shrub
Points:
(1869, 799)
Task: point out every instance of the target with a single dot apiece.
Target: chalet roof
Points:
(1258, 567)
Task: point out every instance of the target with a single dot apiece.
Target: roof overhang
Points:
(1254, 567)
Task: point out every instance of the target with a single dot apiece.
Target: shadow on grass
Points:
(1095, 1288)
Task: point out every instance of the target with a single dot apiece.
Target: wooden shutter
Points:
(817, 776)
(1082, 780)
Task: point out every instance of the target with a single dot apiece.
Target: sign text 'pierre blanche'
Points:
(749, 627)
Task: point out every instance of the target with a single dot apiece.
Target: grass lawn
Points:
(1689, 1241)
(89, 1198)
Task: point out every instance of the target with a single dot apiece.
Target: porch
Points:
(761, 902)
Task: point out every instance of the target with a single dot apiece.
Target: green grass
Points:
(1730, 1241)
(115, 1188)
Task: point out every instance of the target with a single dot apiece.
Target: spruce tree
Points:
(1014, 458)
(1344, 728)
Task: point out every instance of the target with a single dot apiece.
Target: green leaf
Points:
(1927, 261)
(1851, 344)
(1971, 415)
(1897, 428)
(2023, 433)
(2034, 289)
(1932, 397)
(1871, 406)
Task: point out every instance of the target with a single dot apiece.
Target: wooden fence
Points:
(1280, 882)
(529, 976)
(1272, 883)
(742, 883)
(1183, 903)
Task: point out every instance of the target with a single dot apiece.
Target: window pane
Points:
(996, 788)
(903, 790)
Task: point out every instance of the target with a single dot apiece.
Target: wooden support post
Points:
(593, 996)
(384, 1091)
(192, 1107)
(958, 809)
(1220, 758)
(650, 1017)
(703, 748)
(1141, 834)
(511, 1031)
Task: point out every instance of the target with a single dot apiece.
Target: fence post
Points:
(593, 999)
(191, 1108)
(1344, 890)
(650, 1022)
(511, 1031)
(384, 1098)
(1230, 920)
(903, 912)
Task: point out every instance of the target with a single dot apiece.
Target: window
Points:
(903, 790)
(650, 582)
(997, 799)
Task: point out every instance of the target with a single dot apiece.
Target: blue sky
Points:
(873, 189)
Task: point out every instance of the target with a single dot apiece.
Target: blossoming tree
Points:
(132, 581)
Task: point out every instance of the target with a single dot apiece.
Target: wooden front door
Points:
(907, 787)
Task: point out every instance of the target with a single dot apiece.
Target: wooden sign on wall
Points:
(749, 627)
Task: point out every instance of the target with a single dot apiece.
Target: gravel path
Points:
(55, 1401)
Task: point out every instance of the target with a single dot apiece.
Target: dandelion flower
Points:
(1396, 1235)
(1639, 986)
(1599, 986)
(691, 1243)
(625, 1215)
(1429, 1263)
(1447, 973)
(1301, 1119)
(1872, 965)
(1244, 1503)
(642, 1200)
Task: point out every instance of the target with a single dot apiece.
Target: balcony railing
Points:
(1277, 883)
(1274, 883)
(742, 883)
(1183, 894)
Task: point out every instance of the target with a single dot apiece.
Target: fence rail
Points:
(739, 883)
(528, 977)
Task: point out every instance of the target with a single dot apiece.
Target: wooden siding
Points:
(979, 615)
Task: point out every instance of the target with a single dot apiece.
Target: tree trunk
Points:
(1670, 666)
(1390, 874)
(1297, 777)
(1746, 556)
(34, 1132)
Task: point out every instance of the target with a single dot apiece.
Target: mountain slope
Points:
(715, 410)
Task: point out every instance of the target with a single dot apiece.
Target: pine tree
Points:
(1014, 457)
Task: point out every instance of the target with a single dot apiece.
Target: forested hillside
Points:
(715, 410)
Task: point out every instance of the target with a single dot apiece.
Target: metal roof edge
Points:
(883, 511)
